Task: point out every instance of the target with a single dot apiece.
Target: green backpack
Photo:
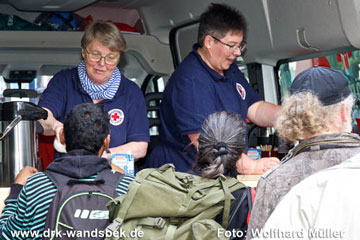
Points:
(165, 204)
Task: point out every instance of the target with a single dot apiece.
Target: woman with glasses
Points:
(98, 80)
(207, 81)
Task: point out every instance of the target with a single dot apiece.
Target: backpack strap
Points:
(238, 201)
(227, 202)
(59, 180)
(130, 195)
(322, 146)
(206, 185)
(110, 177)
(106, 176)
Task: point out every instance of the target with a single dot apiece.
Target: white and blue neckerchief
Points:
(104, 91)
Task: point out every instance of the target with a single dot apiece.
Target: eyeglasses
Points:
(96, 57)
(232, 48)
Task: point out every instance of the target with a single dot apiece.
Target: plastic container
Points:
(254, 153)
(124, 161)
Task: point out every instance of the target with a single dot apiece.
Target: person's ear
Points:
(62, 136)
(107, 142)
(83, 53)
(208, 42)
(105, 146)
(345, 113)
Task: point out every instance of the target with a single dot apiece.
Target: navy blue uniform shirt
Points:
(194, 91)
(127, 109)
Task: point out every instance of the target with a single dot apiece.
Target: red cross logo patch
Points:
(116, 117)
(241, 90)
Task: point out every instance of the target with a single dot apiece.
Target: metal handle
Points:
(10, 127)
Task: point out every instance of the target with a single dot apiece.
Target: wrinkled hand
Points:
(264, 164)
(24, 174)
(248, 166)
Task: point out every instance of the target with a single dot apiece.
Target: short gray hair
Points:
(303, 115)
(106, 33)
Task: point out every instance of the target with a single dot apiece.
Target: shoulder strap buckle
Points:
(114, 226)
(159, 222)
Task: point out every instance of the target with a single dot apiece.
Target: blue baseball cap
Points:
(329, 85)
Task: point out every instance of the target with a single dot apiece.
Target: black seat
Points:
(152, 101)
(19, 77)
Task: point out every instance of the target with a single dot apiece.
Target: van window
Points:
(347, 62)
(38, 84)
(154, 84)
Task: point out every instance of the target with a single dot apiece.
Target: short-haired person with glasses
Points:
(98, 80)
(207, 81)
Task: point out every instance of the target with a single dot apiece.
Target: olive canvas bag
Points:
(164, 204)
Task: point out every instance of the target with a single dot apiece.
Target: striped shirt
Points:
(24, 217)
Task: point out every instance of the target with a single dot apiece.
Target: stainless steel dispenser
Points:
(18, 138)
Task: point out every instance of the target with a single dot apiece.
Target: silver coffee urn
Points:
(18, 145)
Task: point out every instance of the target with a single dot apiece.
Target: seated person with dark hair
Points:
(86, 134)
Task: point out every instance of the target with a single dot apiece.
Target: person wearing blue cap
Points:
(317, 118)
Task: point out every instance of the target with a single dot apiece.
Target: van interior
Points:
(40, 37)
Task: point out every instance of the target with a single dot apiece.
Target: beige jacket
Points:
(323, 206)
(308, 157)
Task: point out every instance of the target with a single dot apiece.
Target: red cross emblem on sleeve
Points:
(241, 90)
(116, 117)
